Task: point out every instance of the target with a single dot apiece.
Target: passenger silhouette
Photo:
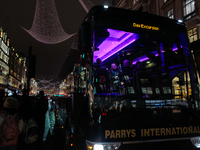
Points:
(102, 86)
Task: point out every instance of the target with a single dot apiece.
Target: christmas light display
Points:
(46, 27)
(87, 4)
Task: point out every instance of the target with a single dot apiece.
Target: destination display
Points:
(143, 26)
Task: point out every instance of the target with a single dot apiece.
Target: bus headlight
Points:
(196, 141)
(103, 146)
(98, 147)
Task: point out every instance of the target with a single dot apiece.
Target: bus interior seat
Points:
(142, 82)
(128, 83)
(162, 85)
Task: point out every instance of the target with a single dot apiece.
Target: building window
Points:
(4, 81)
(192, 33)
(189, 6)
(8, 42)
(134, 1)
(170, 14)
(1, 33)
(10, 82)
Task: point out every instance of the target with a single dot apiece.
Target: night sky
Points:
(49, 57)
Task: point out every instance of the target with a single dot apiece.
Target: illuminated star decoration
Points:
(87, 4)
(46, 27)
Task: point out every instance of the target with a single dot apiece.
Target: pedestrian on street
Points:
(11, 125)
(25, 107)
(41, 107)
(2, 97)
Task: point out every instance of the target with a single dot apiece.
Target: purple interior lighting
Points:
(116, 41)
(144, 57)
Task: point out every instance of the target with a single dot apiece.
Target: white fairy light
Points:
(46, 27)
(87, 4)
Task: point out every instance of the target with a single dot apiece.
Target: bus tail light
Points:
(103, 146)
(195, 141)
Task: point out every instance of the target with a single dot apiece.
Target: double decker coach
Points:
(151, 105)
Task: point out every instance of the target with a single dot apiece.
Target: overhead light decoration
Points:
(46, 27)
(87, 4)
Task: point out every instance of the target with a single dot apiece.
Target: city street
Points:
(117, 75)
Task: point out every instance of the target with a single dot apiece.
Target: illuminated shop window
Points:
(8, 42)
(5, 59)
(189, 6)
(1, 33)
(180, 91)
(192, 33)
(4, 81)
(170, 14)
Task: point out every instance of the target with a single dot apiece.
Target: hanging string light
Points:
(87, 4)
(46, 27)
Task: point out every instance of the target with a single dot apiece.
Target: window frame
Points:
(134, 2)
(171, 16)
(193, 34)
(188, 7)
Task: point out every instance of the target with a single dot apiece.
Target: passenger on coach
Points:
(102, 86)
(138, 66)
(115, 72)
(115, 76)
(127, 69)
(98, 65)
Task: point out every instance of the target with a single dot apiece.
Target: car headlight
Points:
(103, 146)
(196, 141)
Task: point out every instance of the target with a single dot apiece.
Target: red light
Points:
(103, 114)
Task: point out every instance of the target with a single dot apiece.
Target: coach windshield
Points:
(162, 80)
